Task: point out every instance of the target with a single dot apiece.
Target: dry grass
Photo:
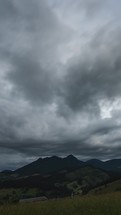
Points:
(109, 204)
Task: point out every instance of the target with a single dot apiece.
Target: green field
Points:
(109, 204)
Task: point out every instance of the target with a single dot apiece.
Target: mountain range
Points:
(55, 176)
(54, 164)
(50, 165)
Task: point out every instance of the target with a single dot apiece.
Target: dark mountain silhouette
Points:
(113, 165)
(56, 176)
(53, 164)
(96, 163)
(110, 165)
(7, 172)
(50, 165)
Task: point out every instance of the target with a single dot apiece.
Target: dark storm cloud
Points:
(96, 73)
(7, 10)
(31, 80)
(33, 42)
(52, 80)
(77, 145)
(9, 124)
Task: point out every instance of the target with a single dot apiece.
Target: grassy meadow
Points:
(108, 204)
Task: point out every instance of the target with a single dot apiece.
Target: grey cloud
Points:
(49, 101)
(81, 147)
(80, 144)
(31, 80)
(7, 10)
(31, 48)
(89, 8)
(103, 127)
(9, 124)
(96, 74)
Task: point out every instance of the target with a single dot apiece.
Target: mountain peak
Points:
(95, 159)
(53, 158)
(71, 157)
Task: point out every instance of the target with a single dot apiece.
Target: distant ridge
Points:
(50, 165)
(57, 176)
(96, 163)
(110, 165)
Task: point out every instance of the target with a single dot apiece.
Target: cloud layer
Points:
(60, 79)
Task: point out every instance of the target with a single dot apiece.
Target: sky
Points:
(60, 80)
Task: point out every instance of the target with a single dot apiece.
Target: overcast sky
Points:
(60, 79)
